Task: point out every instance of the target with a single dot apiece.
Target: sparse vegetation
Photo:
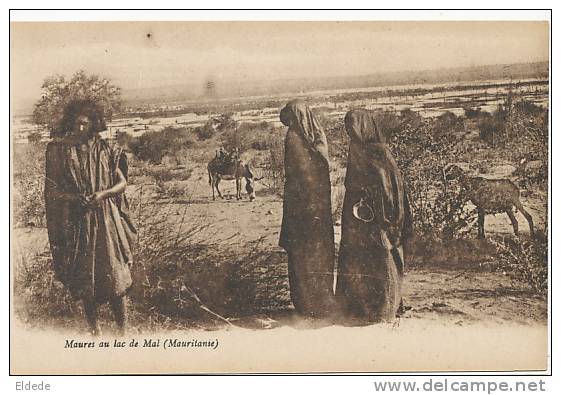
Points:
(523, 260)
(184, 278)
(29, 182)
(154, 146)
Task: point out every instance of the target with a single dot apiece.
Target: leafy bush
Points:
(58, 92)
(153, 146)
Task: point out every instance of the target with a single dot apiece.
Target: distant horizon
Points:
(375, 74)
(137, 55)
(129, 99)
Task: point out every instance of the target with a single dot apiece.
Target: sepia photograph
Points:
(280, 196)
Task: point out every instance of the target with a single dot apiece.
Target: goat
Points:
(490, 196)
(531, 169)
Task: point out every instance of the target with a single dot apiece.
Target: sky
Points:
(151, 54)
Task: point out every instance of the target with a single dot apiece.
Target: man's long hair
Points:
(78, 107)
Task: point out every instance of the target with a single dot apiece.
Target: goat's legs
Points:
(480, 224)
(212, 186)
(513, 221)
(528, 217)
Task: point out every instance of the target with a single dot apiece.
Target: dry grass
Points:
(177, 282)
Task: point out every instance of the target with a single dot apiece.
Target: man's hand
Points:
(95, 198)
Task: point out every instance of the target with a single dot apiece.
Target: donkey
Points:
(231, 170)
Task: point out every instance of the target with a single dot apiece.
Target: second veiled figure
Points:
(307, 225)
(375, 224)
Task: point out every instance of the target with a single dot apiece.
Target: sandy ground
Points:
(459, 317)
(446, 294)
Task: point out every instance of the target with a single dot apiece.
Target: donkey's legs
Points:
(238, 188)
(218, 190)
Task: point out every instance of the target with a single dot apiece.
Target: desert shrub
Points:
(123, 139)
(173, 190)
(447, 126)
(177, 277)
(175, 159)
(337, 197)
(38, 296)
(235, 138)
(514, 124)
(326, 120)
(337, 140)
(438, 209)
(34, 137)
(154, 146)
(390, 123)
(528, 108)
(523, 260)
(529, 134)
(274, 168)
(521, 129)
(249, 135)
(178, 281)
(224, 122)
(447, 217)
(410, 118)
(29, 183)
(492, 128)
(205, 132)
(162, 173)
(471, 112)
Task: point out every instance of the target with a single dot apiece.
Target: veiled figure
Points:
(376, 221)
(307, 225)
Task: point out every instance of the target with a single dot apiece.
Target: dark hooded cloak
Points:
(371, 259)
(307, 225)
